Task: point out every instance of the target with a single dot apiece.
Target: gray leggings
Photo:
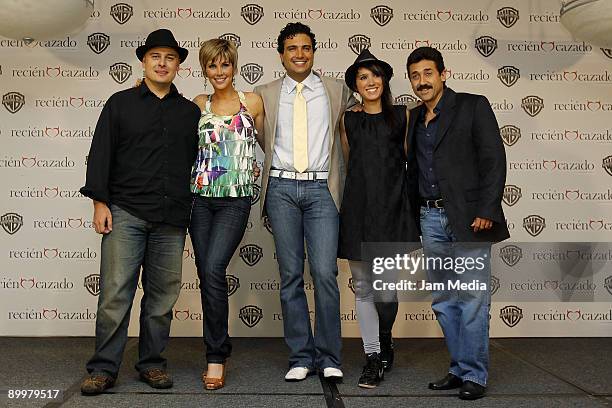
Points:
(376, 312)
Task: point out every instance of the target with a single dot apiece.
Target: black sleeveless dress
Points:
(375, 205)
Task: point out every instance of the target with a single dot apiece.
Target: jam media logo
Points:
(532, 105)
(359, 42)
(511, 254)
(508, 75)
(11, 222)
(607, 165)
(607, 52)
(13, 101)
(512, 194)
(92, 284)
(510, 134)
(381, 15)
(495, 285)
(534, 224)
(98, 42)
(120, 72)
(251, 72)
(251, 254)
(508, 16)
(485, 45)
(252, 13)
(231, 37)
(266, 223)
(351, 285)
(251, 315)
(256, 194)
(511, 315)
(233, 283)
(608, 284)
(121, 12)
(405, 99)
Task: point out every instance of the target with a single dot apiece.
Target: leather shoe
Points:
(96, 384)
(471, 391)
(156, 378)
(449, 382)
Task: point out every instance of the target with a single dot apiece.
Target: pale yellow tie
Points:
(300, 130)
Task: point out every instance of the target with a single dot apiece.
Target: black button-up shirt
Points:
(141, 155)
(426, 137)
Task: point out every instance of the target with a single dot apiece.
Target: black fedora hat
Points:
(161, 38)
(363, 58)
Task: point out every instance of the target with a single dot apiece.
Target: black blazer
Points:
(470, 164)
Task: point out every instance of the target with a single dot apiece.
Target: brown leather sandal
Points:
(214, 383)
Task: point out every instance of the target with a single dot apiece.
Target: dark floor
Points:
(551, 372)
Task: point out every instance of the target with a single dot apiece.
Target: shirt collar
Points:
(309, 82)
(437, 108)
(144, 90)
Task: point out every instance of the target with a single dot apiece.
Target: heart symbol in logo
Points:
(572, 194)
(181, 315)
(596, 225)
(51, 192)
(444, 16)
(50, 314)
(52, 132)
(547, 45)
(570, 75)
(315, 14)
(594, 105)
(549, 164)
(186, 253)
(51, 253)
(571, 134)
(573, 314)
(552, 285)
(27, 283)
(421, 43)
(184, 72)
(28, 161)
(76, 102)
(449, 73)
(75, 222)
(53, 71)
(184, 12)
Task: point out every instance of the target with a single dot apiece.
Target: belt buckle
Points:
(436, 205)
(302, 176)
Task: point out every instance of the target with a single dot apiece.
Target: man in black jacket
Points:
(457, 172)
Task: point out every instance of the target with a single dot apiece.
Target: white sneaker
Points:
(297, 374)
(332, 374)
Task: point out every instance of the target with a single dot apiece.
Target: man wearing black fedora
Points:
(138, 174)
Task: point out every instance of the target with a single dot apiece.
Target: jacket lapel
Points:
(274, 98)
(447, 115)
(333, 101)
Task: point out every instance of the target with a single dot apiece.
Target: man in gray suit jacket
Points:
(302, 185)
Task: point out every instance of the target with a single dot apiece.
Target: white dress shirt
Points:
(317, 106)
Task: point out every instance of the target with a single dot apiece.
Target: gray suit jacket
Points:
(340, 97)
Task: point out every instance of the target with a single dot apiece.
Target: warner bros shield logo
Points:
(251, 315)
(508, 75)
(256, 194)
(11, 222)
(608, 284)
(359, 42)
(534, 224)
(532, 105)
(232, 38)
(511, 315)
(233, 283)
(251, 72)
(508, 16)
(120, 72)
(607, 164)
(495, 285)
(512, 194)
(266, 223)
(13, 101)
(381, 15)
(511, 254)
(252, 13)
(351, 285)
(121, 12)
(251, 254)
(98, 42)
(92, 284)
(510, 134)
(405, 99)
(485, 45)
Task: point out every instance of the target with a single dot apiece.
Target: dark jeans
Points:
(133, 243)
(217, 227)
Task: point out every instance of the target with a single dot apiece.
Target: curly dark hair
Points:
(290, 31)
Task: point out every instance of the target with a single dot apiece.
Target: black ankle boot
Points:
(373, 372)
(386, 351)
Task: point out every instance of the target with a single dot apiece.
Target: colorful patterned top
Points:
(226, 150)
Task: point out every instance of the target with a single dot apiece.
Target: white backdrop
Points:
(551, 95)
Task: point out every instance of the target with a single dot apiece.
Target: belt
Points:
(432, 203)
(309, 175)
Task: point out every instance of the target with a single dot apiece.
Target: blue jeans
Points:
(217, 226)
(298, 210)
(463, 315)
(133, 243)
